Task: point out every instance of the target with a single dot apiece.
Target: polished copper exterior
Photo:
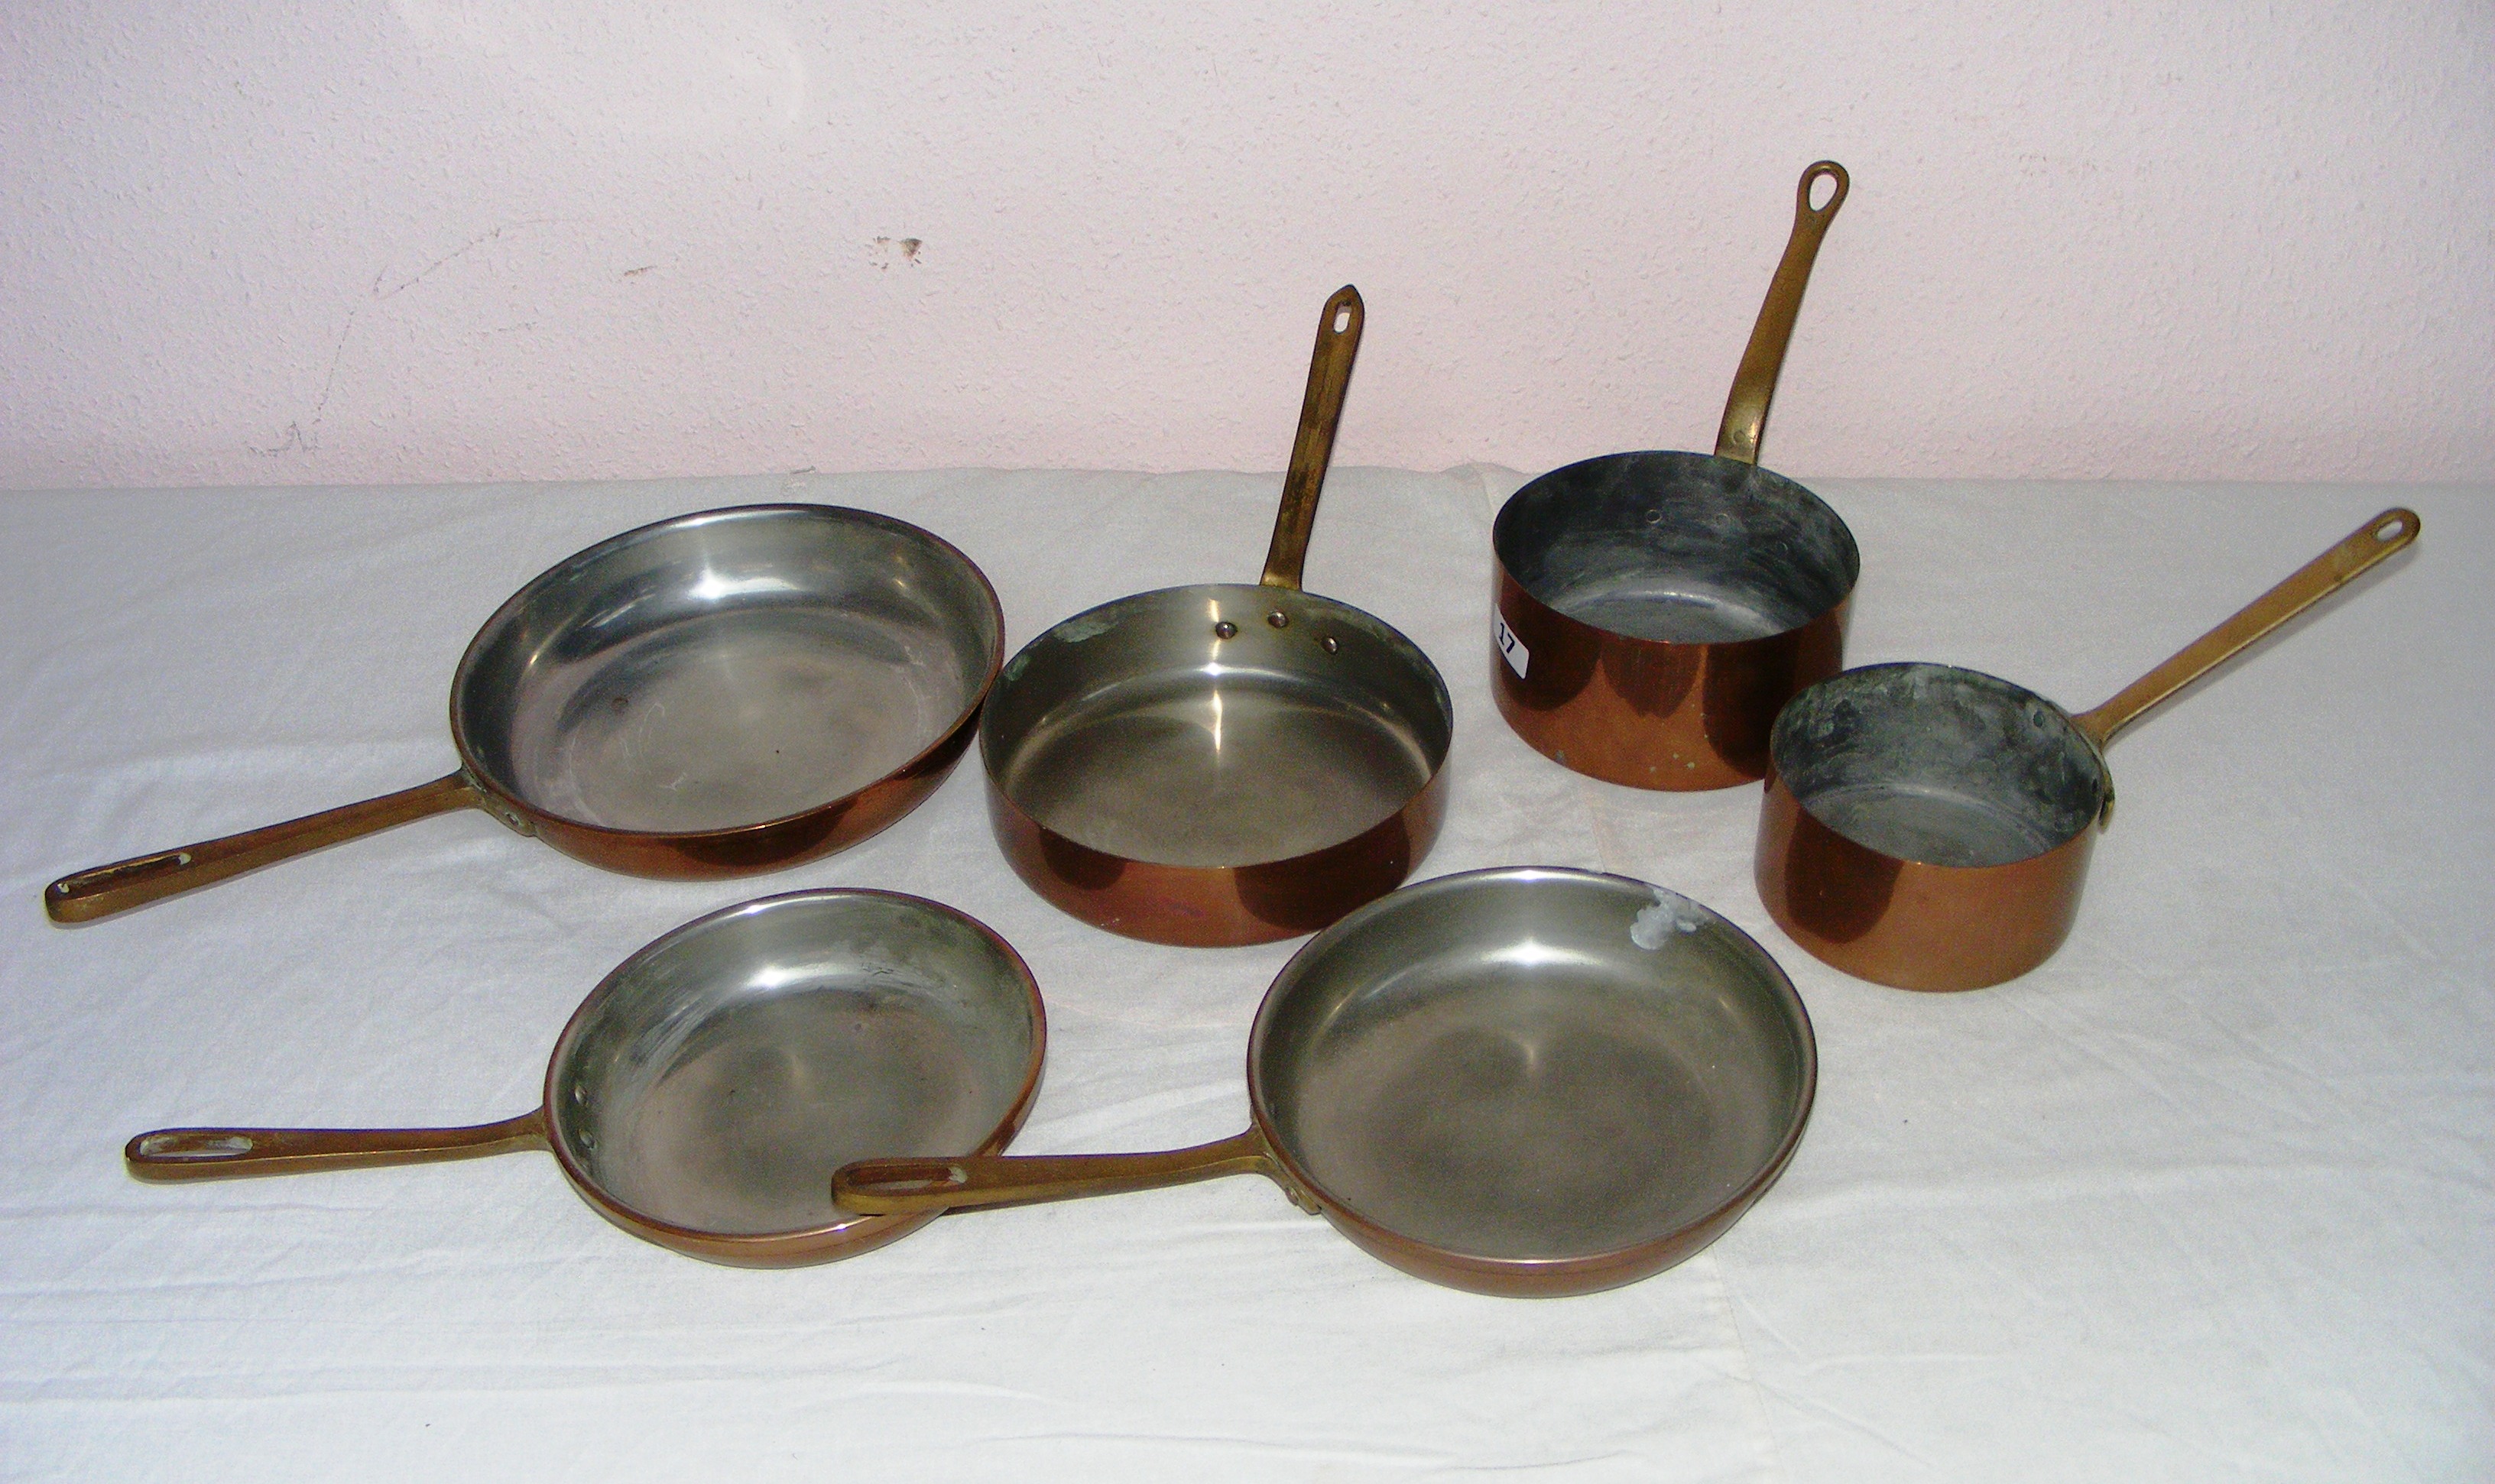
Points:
(668, 854)
(1219, 906)
(1908, 923)
(1660, 714)
(1916, 924)
(1648, 713)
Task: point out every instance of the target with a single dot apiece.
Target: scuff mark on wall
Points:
(884, 251)
(305, 436)
(455, 254)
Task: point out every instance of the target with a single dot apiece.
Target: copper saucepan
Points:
(706, 1089)
(1656, 609)
(1929, 827)
(713, 695)
(1223, 764)
(1525, 1082)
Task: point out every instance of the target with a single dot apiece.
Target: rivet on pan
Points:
(1225, 629)
(1331, 645)
(1278, 619)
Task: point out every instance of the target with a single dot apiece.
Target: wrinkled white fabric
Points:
(2207, 1197)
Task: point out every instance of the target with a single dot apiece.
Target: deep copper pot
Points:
(1655, 611)
(1929, 827)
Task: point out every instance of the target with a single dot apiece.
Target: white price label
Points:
(1512, 648)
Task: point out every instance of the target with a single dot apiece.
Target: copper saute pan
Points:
(712, 695)
(1655, 610)
(1524, 1082)
(1929, 827)
(1223, 764)
(705, 1091)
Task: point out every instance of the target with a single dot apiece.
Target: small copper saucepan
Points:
(705, 1091)
(1525, 1082)
(712, 695)
(1223, 764)
(1929, 827)
(1656, 609)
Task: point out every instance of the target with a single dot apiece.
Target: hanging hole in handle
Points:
(2392, 530)
(1343, 320)
(953, 1179)
(171, 859)
(173, 1146)
(1833, 175)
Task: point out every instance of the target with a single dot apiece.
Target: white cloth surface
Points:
(2206, 1197)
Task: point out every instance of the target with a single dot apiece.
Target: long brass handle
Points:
(2313, 582)
(875, 1187)
(224, 1153)
(1312, 449)
(106, 890)
(1754, 385)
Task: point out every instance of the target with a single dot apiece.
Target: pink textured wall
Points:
(536, 239)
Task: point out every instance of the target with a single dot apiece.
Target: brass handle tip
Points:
(1343, 312)
(1819, 171)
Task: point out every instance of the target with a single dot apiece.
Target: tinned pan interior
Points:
(1678, 547)
(726, 669)
(1939, 765)
(709, 1086)
(1216, 726)
(1532, 1080)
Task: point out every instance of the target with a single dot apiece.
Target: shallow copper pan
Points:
(1524, 1082)
(707, 1088)
(1929, 827)
(1656, 609)
(1223, 764)
(712, 695)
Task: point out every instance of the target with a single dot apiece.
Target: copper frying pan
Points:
(1525, 1082)
(1223, 764)
(1656, 609)
(713, 695)
(1929, 827)
(703, 1093)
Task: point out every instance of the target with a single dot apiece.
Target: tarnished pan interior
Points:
(1140, 729)
(1937, 764)
(716, 1079)
(1531, 1065)
(725, 670)
(1678, 547)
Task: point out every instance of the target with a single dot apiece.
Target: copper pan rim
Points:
(993, 662)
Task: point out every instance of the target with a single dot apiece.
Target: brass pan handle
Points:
(170, 1155)
(1754, 385)
(106, 890)
(878, 1187)
(2313, 582)
(1312, 449)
